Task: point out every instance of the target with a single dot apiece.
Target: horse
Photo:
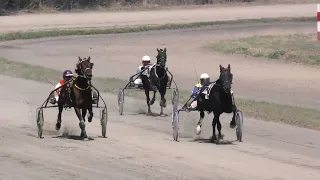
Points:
(220, 101)
(77, 94)
(156, 80)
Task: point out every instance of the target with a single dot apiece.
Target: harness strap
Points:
(81, 88)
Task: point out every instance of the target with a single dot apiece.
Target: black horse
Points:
(77, 94)
(220, 101)
(156, 79)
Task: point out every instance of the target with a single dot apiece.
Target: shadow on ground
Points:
(209, 141)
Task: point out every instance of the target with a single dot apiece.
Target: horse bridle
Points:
(162, 58)
(84, 76)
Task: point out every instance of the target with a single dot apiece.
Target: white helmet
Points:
(204, 76)
(204, 79)
(146, 58)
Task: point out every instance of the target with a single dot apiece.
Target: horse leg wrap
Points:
(82, 125)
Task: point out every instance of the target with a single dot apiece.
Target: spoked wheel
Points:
(104, 121)
(120, 101)
(40, 122)
(175, 125)
(175, 99)
(239, 125)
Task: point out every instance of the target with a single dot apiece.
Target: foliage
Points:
(91, 4)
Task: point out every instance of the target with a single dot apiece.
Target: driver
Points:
(146, 61)
(204, 82)
(67, 76)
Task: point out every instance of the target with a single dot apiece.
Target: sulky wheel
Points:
(104, 121)
(40, 122)
(175, 99)
(175, 125)
(239, 125)
(120, 101)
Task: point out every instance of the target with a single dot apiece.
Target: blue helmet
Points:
(67, 74)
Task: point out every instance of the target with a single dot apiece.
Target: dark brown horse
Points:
(157, 80)
(77, 94)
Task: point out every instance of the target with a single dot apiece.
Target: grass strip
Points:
(141, 28)
(298, 48)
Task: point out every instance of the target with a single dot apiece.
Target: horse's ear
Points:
(165, 50)
(91, 64)
(229, 68)
(79, 58)
(89, 58)
(158, 50)
(221, 68)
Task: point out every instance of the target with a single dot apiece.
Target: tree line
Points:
(81, 4)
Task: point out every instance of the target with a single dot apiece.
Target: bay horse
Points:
(220, 101)
(77, 94)
(156, 80)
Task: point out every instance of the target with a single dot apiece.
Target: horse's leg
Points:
(214, 123)
(90, 113)
(220, 135)
(200, 122)
(82, 124)
(163, 90)
(163, 101)
(146, 91)
(154, 86)
(84, 112)
(233, 121)
(153, 98)
(58, 124)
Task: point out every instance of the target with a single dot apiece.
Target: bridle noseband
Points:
(84, 72)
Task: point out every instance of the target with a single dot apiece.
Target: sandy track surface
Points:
(111, 19)
(119, 56)
(141, 147)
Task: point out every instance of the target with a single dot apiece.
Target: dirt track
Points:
(140, 147)
(103, 19)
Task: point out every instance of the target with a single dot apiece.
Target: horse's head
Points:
(162, 57)
(84, 67)
(225, 78)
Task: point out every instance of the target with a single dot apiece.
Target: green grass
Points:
(299, 48)
(302, 117)
(93, 31)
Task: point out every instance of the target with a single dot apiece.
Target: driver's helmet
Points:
(204, 79)
(146, 60)
(67, 75)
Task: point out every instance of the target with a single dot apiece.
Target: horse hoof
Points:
(58, 126)
(198, 130)
(213, 139)
(83, 135)
(163, 115)
(221, 137)
(89, 120)
(218, 141)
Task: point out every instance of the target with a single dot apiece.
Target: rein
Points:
(160, 58)
(155, 71)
